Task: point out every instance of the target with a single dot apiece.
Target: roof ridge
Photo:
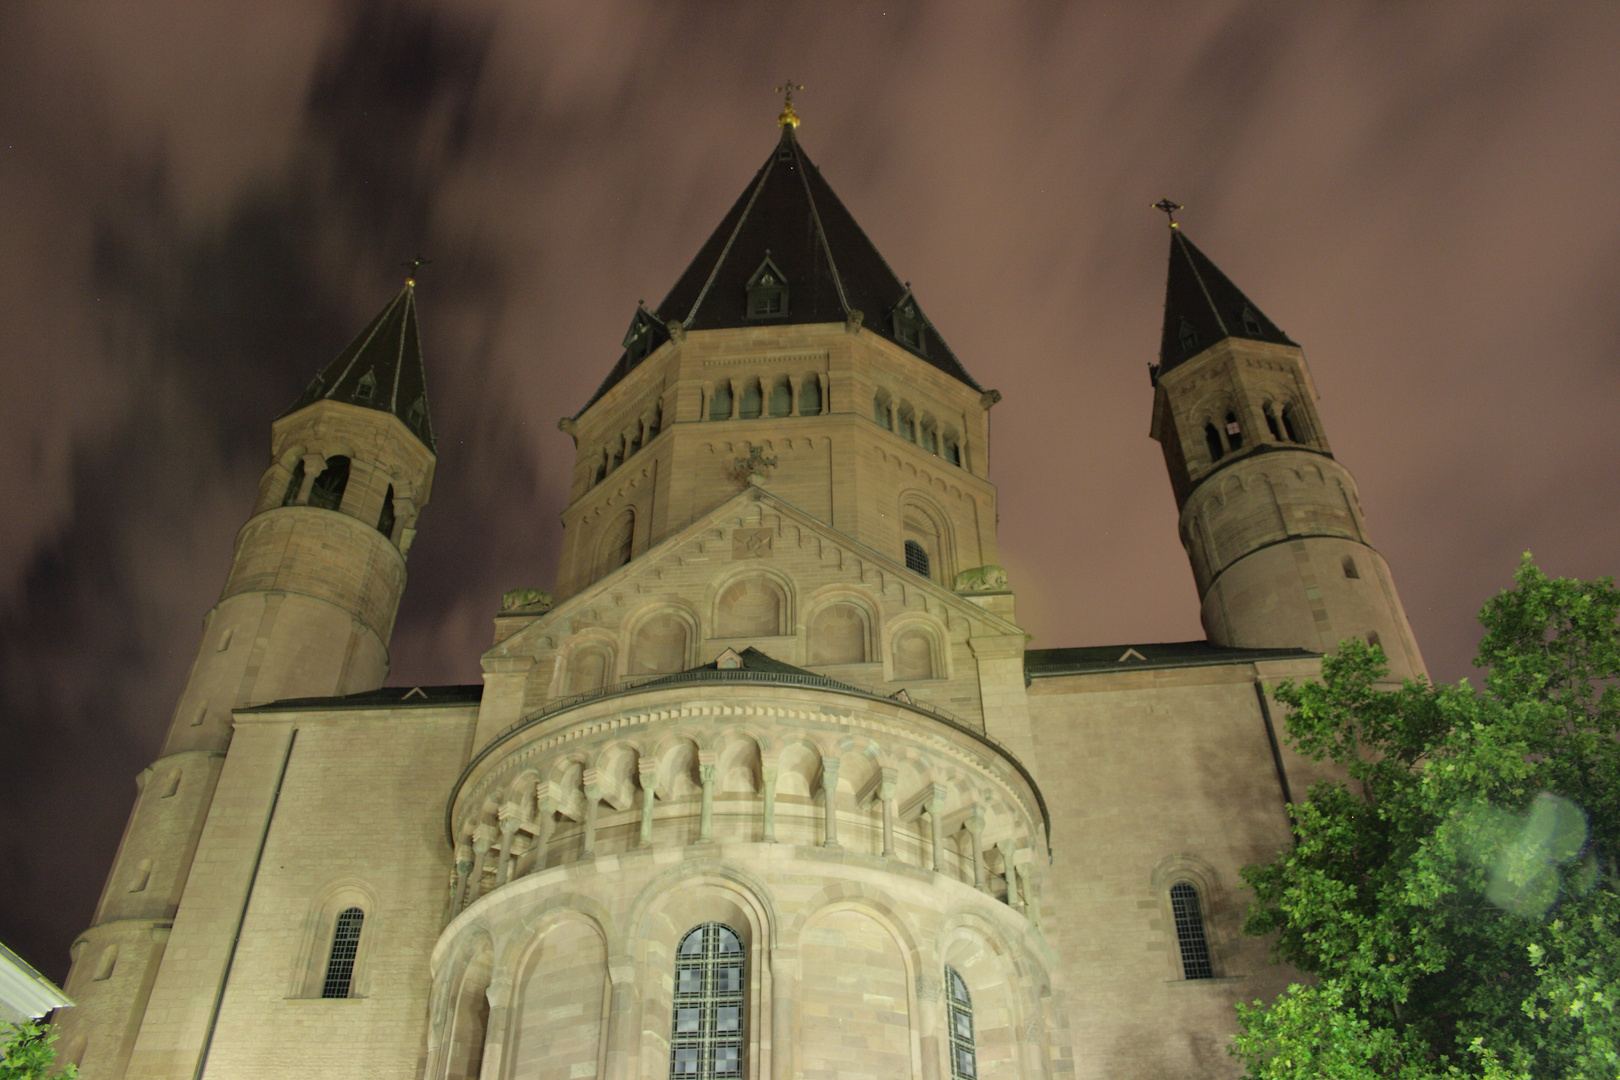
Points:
(714, 271)
(371, 332)
(821, 230)
(1192, 264)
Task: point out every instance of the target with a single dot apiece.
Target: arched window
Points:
(294, 485)
(953, 453)
(810, 397)
(720, 403)
(327, 491)
(1234, 432)
(385, 521)
(1189, 918)
(959, 1006)
(1212, 439)
(1293, 424)
(618, 541)
(781, 399)
(880, 413)
(916, 558)
(706, 1025)
(752, 402)
(345, 947)
(1271, 422)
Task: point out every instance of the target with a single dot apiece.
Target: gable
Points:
(758, 573)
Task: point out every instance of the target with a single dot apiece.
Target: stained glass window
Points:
(706, 1030)
(959, 1010)
(345, 947)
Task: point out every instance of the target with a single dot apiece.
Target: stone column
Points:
(829, 798)
(499, 994)
(935, 805)
(314, 465)
(593, 797)
(928, 991)
(769, 776)
(886, 793)
(510, 817)
(736, 398)
(975, 827)
(481, 841)
(1032, 906)
(793, 392)
(1014, 895)
(545, 804)
(784, 988)
(464, 865)
(647, 773)
(706, 816)
(623, 1008)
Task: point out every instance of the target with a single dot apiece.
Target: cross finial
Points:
(1169, 209)
(413, 266)
(789, 118)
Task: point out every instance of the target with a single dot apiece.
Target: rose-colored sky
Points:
(205, 199)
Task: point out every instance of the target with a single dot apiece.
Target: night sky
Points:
(201, 201)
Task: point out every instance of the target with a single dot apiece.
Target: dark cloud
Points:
(205, 200)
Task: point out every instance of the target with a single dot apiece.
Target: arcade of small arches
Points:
(901, 418)
(322, 482)
(1285, 423)
(839, 628)
(600, 782)
(629, 440)
(750, 397)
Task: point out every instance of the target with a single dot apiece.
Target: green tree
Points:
(27, 1053)
(1457, 899)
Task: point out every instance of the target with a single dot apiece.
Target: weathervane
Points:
(1169, 209)
(412, 266)
(789, 118)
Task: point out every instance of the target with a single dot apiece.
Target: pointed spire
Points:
(827, 267)
(381, 369)
(1202, 306)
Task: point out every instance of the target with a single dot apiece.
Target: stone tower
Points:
(1271, 521)
(307, 611)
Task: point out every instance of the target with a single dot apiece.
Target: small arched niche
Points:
(618, 540)
(838, 635)
(660, 645)
(588, 667)
(752, 607)
(915, 654)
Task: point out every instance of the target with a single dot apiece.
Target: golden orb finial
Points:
(788, 118)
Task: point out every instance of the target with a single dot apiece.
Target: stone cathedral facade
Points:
(771, 787)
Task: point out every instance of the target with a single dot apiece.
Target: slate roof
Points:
(789, 213)
(1197, 295)
(387, 697)
(381, 369)
(753, 661)
(1094, 659)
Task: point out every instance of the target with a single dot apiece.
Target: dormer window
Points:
(908, 325)
(767, 291)
(1189, 336)
(1251, 321)
(642, 337)
(367, 390)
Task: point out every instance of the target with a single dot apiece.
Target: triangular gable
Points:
(718, 532)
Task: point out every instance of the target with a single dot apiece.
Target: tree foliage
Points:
(1458, 900)
(27, 1053)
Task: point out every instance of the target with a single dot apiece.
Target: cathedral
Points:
(768, 786)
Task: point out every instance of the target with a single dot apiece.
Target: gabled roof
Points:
(381, 369)
(1095, 659)
(384, 697)
(1202, 306)
(789, 213)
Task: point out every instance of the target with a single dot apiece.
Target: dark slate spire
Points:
(789, 215)
(381, 369)
(1202, 306)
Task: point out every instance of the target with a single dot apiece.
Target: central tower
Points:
(787, 355)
